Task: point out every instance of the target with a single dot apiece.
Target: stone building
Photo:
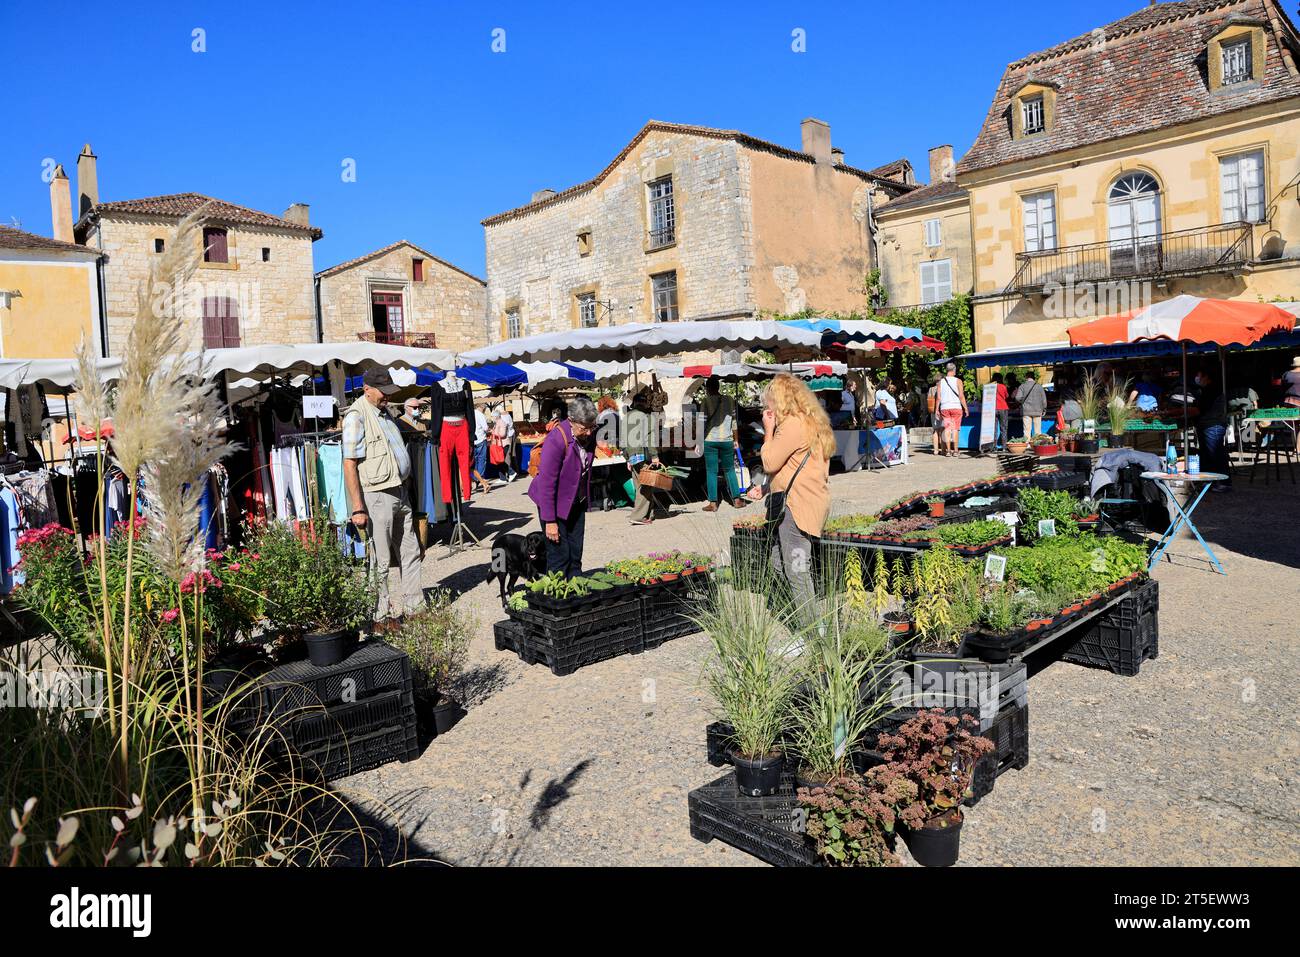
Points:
(404, 295)
(253, 284)
(924, 239)
(1154, 156)
(689, 222)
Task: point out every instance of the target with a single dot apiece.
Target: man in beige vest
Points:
(375, 469)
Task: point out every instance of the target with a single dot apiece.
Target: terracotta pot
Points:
(668, 577)
(1042, 450)
(1017, 448)
(936, 509)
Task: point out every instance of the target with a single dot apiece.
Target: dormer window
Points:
(1236, 61)
(1032, 114)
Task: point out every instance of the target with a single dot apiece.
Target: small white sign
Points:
(1047, 528)
(1089, 426)
(318, 406)
(995, 567)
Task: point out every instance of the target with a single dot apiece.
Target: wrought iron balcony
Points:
(419, 340)
(1227, 247)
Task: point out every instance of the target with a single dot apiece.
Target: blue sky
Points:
(443, 130)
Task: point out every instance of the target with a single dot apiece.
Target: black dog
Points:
(517, 556)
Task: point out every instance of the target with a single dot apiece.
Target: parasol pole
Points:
(1187, 449)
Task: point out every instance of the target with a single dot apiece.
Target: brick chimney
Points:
(299, 213)
(61, 205)
(942, 169)
(87, 181)
(816, 138)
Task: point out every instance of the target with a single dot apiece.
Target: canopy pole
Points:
(1187, 449)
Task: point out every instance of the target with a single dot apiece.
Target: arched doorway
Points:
(1134, 218)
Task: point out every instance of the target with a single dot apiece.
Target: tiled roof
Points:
(941, 191)
(1142, 73)
(658, 126)
(177, 205)
(11, 238)
(341, 267)
(895, 170)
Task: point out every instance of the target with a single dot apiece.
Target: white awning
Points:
(643, 341)
(251, 362)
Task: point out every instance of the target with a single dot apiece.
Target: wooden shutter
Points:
(215, 246)
(230, 325)
(212, 326)
(417, 270)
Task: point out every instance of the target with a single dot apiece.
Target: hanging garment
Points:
(329, 466)
(10, 574)
(207, 513)
(35, 491)
(453, 452)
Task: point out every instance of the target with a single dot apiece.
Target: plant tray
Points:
(768, 828)
(1057, 481)
(958, 685)
(1124, 636)
(560, 627)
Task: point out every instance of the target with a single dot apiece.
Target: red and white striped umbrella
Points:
(1187, 319)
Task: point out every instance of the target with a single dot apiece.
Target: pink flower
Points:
(170, 615)
(233, 567)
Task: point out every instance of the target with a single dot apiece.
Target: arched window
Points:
(1134, 218)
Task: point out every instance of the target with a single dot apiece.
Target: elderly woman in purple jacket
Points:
(562, 487)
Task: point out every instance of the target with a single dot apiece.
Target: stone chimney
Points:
(298, 213)
(87, 181)
(837, 156)
(542, 194)
(61, 205)
(816, 137)
(942, 169)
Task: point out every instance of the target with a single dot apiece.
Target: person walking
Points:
(952, 408)
(1002, 414)
(642, 453)
(797, 448)
(503, 435)
(932, 410)
(1032, 399)
(481, 428)
(719, 413)
(375, 469)
(1291, 384)
(562, 488)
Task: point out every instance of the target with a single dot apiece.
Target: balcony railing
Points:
(1227, 247)
(663, 236)
(419, 340)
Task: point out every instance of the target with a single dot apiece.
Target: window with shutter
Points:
(215, 245)
(936, 281)
(417, 270)
(220, 322)
(933, 232)
(1241, 187)
(1040, 221)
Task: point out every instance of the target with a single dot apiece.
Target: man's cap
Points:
(378, 378)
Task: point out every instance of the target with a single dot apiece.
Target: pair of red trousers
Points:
(454, 441)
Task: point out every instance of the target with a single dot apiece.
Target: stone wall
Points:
(448, 303)
(275, 298)
(534, 262)
(902, 247)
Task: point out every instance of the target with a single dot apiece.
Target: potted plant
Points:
(1017, 446)
(852, 821)
(937, 753)
(1045, 445)
(437, 640)
(752, 679)
(312, 589)
(1118, 410)
(936, 505)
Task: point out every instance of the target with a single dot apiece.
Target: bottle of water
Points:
(1171, 458)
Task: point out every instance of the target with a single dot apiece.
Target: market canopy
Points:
(642, 340)
(857, 330)
(1189, 319)
(257, 362)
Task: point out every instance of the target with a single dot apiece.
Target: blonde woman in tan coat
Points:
(797, 449)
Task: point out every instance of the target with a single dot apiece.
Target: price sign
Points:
(995, 567)
(318, 407)
(1046, 528)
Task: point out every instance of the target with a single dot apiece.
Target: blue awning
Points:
(1057, 353)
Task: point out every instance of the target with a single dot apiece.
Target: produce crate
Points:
(958, 685)
(769, 828)
(363, 750)
(1124, 636)
(565, 643)
(751, 555)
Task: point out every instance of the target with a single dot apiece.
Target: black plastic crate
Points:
(768, 828)
(561, 629)
(1067, 480)
(1010, 737)
(316, 729)
(751, 555)
(362, 751)
(959, 686)
(668, 611)
(1122, 637)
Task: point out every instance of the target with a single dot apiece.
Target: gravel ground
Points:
(1193, 762)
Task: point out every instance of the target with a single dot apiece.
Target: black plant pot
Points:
(758, 777)
(447, 715)
(1087, 446)
(328, 648)
(900, 625)
(934, 846)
